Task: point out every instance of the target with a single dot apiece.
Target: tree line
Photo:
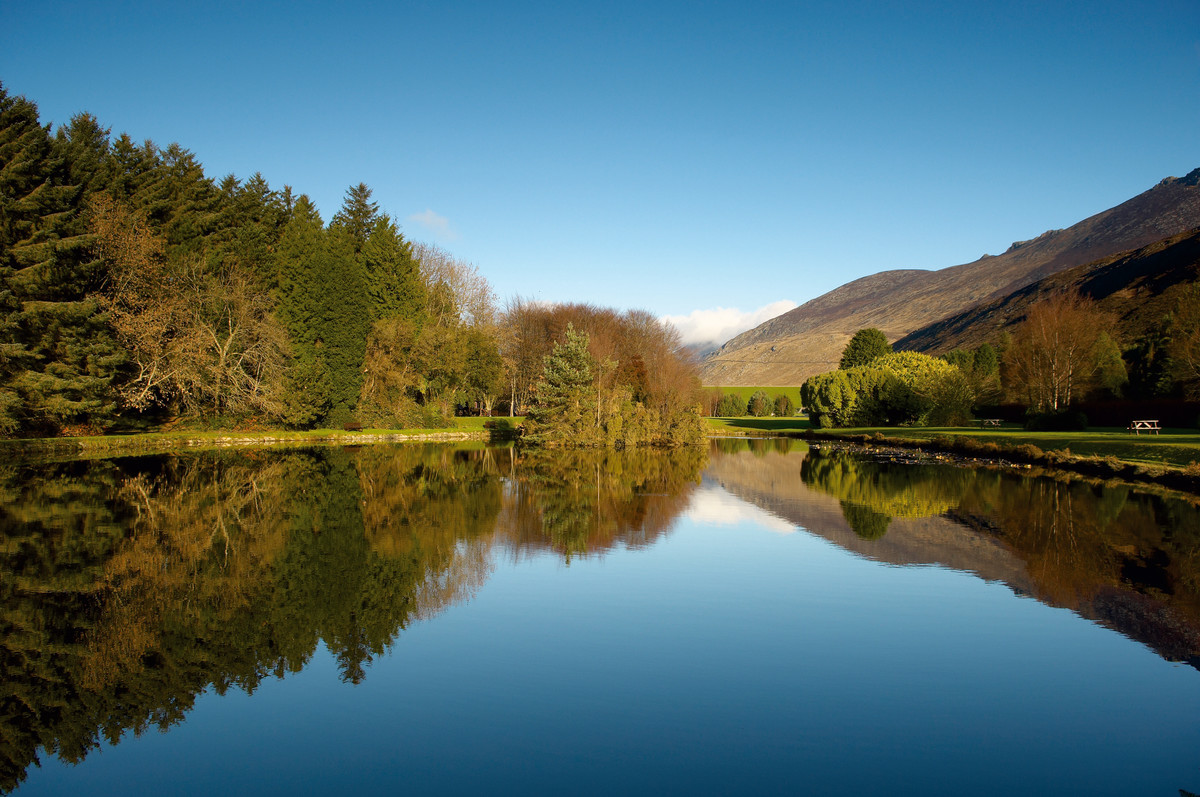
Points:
(135, 289)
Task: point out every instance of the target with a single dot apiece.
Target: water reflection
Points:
(1126, 559)
(586, 501)
(130, 586)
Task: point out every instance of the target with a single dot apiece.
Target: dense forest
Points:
(136, 291)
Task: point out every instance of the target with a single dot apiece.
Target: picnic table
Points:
(986, 422)
(1137, 427)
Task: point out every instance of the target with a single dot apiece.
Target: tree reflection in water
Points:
(585, 501)
(133, 585)
(1130, 560)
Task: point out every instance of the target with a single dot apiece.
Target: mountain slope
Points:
(1133, 287)
(809, 339)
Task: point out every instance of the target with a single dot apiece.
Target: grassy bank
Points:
(1177, 448)
(471, 428)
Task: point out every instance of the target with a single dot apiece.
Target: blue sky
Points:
(676, 157)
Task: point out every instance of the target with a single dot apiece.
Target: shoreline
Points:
(968, 451)
(963, 450)
(132, 445)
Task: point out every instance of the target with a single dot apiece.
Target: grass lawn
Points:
(1176, 447)
(749, 424)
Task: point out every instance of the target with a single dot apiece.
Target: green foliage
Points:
(760, 405)
(962, 359)
(58, 359)
(199, 299)
(866, 345)
(572, 410)
(865, 522)
(1149, 365)
(902, 388)
(730, 406)
(784, 408)
(829, 399)
(308, 393)
(392, 273)
(565, 412)
(1111, 375)
(357, 217)
(987, 362)
(323, 301)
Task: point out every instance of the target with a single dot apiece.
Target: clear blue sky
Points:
(668, 156)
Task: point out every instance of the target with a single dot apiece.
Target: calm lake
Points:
(750, 617)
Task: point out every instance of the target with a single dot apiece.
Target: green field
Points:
(1175, 447)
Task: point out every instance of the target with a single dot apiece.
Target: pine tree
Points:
(57, 356)
(357, 216)
(866, 345)
(343, 322)
(564, 412)
(303, 255)
(393, 275)
(323, 302)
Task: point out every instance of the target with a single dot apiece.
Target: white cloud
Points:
(722, 323)
(436, 223)
(717, 507)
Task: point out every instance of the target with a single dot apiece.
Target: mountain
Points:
(809, 340)
(1134, 288)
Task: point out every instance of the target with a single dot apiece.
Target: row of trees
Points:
(759, 405)
(134, 288)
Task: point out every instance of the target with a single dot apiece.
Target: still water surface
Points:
(756, 617)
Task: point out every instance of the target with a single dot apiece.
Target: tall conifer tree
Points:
(58, 357)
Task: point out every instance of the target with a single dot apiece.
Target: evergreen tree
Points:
(986, 362)
(303, 256)
(865, 346)
(730, 406)
(249, 224)
(357, 216)
(564, 410)
(393, 275)
(323, 302)
(343, 322)
(57, 357)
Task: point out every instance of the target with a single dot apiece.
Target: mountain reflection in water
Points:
(131, 586)
(1126, 559)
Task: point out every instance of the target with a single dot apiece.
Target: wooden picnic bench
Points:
(986, 422)
(1137, 427)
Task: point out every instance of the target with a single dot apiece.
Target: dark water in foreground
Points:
(752, 618)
